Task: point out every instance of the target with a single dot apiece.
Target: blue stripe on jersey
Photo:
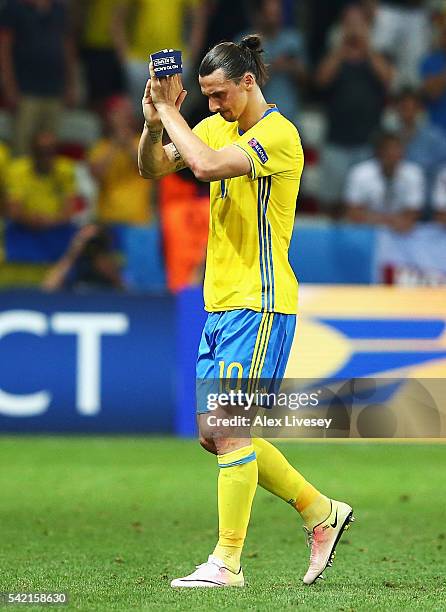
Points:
(265, 114)
(265, 244)
(270, 110)
(223, 188)
(251, 457)
(270, 250)
(260, 186)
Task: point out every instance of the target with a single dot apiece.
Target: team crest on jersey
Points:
(261, 153)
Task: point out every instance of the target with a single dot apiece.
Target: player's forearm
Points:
(200, 158)
(152, 160)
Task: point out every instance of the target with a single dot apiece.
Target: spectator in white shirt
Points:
(386, 189)
(439, 196)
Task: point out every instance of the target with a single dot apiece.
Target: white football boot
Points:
(213, 573)
(324, 537)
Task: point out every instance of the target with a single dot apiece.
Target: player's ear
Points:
(249, 80)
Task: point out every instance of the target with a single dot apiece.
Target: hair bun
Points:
(253, 42)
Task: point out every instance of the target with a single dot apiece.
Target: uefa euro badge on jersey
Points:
(261, 153)
(167, 62)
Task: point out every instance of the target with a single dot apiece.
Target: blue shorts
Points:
(244, 345)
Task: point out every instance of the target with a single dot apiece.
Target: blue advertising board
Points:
(191, 318)
(86, 363)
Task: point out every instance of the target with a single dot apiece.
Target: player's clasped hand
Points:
(168, 90)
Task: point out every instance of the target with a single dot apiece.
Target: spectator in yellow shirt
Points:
(40, 189)
(123, 196)
(142, 27)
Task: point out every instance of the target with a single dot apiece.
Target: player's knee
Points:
(226, 445)
(208, 444)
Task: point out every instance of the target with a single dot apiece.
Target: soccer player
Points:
(252, 157)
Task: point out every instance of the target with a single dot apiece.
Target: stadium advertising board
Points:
(86, 363)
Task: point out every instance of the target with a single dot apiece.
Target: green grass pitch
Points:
(112, 520)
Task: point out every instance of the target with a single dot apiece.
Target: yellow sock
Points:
(316, 512)
(280, 478)
(237, 483)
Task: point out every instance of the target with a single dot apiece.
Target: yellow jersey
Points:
(123, 197)
(45, 194)
(252, 217)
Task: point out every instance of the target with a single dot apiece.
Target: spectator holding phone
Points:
(355, 80)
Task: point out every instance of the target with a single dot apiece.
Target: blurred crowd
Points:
(364, 81)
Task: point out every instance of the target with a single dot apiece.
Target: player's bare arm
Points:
(155, 159)
(206, 163)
